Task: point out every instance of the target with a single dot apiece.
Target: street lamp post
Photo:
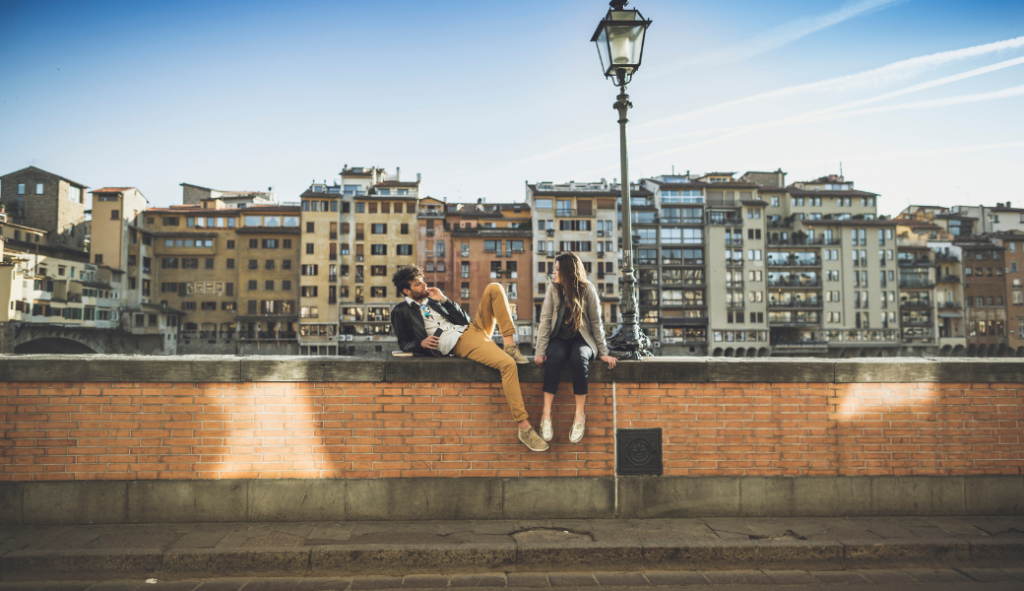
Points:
(620, 46)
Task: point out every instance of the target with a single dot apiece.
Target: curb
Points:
(478, 558)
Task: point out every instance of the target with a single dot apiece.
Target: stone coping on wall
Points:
(214, 368)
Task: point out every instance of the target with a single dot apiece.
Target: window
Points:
(39, 188)
(254, 264)
(209, 263)
(404, 250)
(253, 285)
(404, 228)
(168, 263)
(189, 263)
(378, 270)
(309, 226)
(286, 285)
(309, 291)
(379, 249)
(231, 244)
(378, 291)
(378, 228)
(309, 248)
(464, 291)
(310, 270)
(270, 243)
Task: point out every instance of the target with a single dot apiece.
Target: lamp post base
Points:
(629, 342)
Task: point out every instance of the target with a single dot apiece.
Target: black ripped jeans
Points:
(578, 352)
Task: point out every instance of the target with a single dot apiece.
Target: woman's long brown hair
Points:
(572, 281)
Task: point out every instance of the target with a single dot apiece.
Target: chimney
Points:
(418, 176)
(398, 173)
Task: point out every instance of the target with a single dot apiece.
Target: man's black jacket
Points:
(407, 322)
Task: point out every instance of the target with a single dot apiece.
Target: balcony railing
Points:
(919, 262)
(727, 221)
(913, 284)
(734, 262)
(816, 262)
(949, 279)
(795, 304)
(573, 213)
(950, 305)
(921, 304)
(794, 283)
(941, 257)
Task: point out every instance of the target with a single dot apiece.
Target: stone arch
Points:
(958, 351)
(729, 352)
(972, 350)
(1020, 351)
(717, 352)
(763, 352)
(946, 351)
(55, 345)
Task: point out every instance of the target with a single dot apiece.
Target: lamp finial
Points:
(618, 4)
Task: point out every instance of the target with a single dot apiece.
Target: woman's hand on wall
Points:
(611, 361)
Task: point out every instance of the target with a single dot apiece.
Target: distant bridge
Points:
(43, 338)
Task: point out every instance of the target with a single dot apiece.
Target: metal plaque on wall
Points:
(639, 452)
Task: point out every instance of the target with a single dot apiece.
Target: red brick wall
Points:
(124, 431)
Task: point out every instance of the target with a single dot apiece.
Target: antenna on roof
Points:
(840, 168)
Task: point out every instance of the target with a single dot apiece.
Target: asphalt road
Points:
(735, 580)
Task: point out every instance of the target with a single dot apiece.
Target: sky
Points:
(921, 101)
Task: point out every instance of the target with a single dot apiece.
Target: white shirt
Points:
(451, 333)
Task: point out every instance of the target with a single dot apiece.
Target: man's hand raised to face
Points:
(435, 294)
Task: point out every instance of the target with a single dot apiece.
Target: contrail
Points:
(887, 74)
(817, 115)
(775, 38)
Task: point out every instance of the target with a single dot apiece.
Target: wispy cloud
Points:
(837, 111)
(888, 74)
(776, 37)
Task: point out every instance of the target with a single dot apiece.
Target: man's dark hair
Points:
(404, 277)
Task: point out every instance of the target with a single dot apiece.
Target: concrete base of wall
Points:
(414, 499)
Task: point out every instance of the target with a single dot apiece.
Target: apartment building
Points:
(433, 240)
(1013, 245)
(583, 218)
(491, 243)
(985, 292)
(384, 235)
(39, 199)
(320, 259)
(737, 246)
(121, 240)
(671, 263)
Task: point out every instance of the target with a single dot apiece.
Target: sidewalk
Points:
(189, 551)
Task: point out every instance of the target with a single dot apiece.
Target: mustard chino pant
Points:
(476, 344)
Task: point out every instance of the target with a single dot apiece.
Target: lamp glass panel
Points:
(603, 49)
(625, 44)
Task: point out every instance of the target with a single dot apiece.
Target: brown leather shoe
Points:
(533, 441)
(513, 351)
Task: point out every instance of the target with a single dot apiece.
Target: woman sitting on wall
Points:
(570, 329)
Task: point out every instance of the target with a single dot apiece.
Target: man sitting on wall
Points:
(426, 310)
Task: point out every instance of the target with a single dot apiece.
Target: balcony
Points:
(573, 213)
(725, 221)
(359, 258)
(734, 284)
(600, 254)
(941, 257)
(430, 214)
(734, 262)
(914, 284)
(734, 242)
(735, 305)
(950, 306)
(917, 262)
(794, 283)
(551, 232)
(793, 262)
(916, 304)
(791, 304)
(792, 241)
(252, 335)
(949, 279)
